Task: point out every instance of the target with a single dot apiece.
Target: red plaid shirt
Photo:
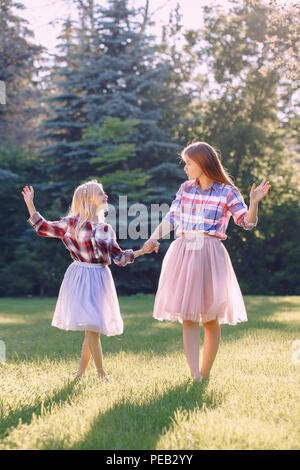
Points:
(96, 242)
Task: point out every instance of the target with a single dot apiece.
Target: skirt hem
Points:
(203, 281)
(87, 328)
(88, 300)
(180, 320)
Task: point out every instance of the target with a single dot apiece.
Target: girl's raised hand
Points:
(28, 194)
(257, 193)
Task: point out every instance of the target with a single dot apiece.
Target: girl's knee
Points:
(92, 334)
(212, 323)
(189, 323)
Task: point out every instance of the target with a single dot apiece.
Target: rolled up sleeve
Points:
(239, 210)
(45, 228)
(119, 256)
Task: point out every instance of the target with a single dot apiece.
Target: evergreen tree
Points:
(111, 69)
(29, 265)
(114, 150)
(18, 71)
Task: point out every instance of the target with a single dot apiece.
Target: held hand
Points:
(28, 194)
(256, 194)
(150, 246)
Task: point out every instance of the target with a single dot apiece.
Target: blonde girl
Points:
(87, 298)
(197, 281)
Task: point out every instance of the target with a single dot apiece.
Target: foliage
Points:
(20, 63)
(113, 150)
(247, 117)
(119, 105)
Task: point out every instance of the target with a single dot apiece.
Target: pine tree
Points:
(18, 70)
(113, 153)
(111, 69)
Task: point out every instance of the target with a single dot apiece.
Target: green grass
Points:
(250, 402)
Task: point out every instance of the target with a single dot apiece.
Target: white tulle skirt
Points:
(88, 300)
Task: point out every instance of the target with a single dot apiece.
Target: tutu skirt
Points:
(198, 283)
(88, 300)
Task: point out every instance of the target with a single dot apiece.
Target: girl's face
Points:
(101, 199)
(191, 168)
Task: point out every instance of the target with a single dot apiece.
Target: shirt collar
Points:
(214, 186)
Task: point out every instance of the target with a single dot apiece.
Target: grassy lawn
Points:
(250, 402)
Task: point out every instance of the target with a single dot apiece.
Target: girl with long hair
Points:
(197, 281)
(87, 298)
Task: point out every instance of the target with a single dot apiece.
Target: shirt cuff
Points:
(250, 225)
(130, 256)
(170, 217)
(34, 219)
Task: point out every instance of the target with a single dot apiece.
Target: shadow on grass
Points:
(40, 340)
(25, 413)
(140, 426)
(142, 334)
(245, 329)
(259, 310)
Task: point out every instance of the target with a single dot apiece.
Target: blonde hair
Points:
(84, 204)
(209, 160)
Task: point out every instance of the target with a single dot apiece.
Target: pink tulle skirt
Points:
(198, 283)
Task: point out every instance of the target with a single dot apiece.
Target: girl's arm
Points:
(44, 228)
(247, 219)
(167, 224)
(123, 257)
(256, 194)
(144, 250)
(105, 238)
(119, 256)
(138, 253)
(239, 210)
(165, 227)
(252, 213)
(161, 230)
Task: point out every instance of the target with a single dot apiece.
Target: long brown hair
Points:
(209, 160)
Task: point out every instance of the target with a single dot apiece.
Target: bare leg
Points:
(212, 337)
(85, 357)
(191, 343)
(93, 339)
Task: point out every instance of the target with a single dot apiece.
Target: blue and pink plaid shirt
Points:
(96, 243)
(208, 211)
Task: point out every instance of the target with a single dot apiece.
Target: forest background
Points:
(118, 103)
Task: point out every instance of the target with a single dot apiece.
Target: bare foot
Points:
(198, 378)
(78, 377)
(103, 376)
